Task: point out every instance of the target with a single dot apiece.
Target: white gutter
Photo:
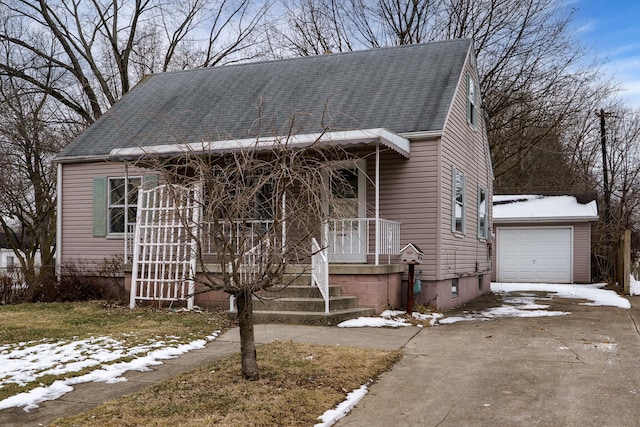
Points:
(339, 138)
(422, 134)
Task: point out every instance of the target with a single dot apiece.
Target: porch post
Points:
(378, 204)
(284, 223)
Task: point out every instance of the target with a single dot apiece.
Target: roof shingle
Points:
(403, 89)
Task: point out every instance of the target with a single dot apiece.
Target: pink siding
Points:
(465, 148)
(582, 253)
(409, 194)
(78, 243)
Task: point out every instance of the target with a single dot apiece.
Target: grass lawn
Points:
(298, 382)
(32, 324)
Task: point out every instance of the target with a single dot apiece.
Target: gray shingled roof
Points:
(402, 89)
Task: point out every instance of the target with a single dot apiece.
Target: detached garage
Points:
(542, 239)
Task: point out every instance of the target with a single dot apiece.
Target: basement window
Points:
(454, 288)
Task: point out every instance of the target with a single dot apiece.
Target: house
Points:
(412, 114)
(542, 238)
(9, 261)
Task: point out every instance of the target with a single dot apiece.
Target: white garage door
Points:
(541, 254)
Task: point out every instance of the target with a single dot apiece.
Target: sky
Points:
(611, 30)
(22, 363)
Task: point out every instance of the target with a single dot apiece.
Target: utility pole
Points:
(605, 167)
(609, 249)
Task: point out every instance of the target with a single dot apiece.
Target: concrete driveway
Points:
(582, 369)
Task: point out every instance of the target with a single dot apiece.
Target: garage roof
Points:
(535, 208)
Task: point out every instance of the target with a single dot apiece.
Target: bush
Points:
(81, 283)
(12, 289)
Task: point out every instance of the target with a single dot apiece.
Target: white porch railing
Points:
(247, 233)
(320, 271)
(347, 237)
(358, 237)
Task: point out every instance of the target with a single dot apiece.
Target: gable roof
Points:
(532, 208)
(402, 89)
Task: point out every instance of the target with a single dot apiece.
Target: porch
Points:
(173, 240)
(351, 274)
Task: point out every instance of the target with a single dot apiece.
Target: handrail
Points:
(320, 271)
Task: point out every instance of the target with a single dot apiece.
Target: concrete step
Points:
(304, 304)
(296, 279)
(308, 318)
(299, 291)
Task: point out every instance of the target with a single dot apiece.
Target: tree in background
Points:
(533, 79)
(96, 51)
(28, 142)
(64, 63)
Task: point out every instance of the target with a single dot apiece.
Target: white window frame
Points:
(126, 206)
(483, 213)
(458, 204)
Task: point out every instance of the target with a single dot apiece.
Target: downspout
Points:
(59, 221)
(126, 212)
(378, 204)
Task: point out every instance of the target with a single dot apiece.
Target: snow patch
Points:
(23, 363)
(331, 416)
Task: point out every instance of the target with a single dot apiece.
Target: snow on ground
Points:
(634, 286)
(22, 363)
(25, 362)
(517, 302)
(595, 293)
(389, 319)
(331, 416)
(522, 305)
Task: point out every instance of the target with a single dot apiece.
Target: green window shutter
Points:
(99, 206)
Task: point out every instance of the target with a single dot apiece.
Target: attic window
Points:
(458, 202)
(472, 101)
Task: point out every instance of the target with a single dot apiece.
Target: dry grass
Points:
(298, 383)
(29, 323)
(65, 321)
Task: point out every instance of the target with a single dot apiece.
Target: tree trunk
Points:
(247, 341)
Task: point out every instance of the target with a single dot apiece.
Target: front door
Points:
(348, 229)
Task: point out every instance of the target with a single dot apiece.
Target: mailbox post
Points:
(411, 255)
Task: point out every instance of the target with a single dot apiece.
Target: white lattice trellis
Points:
(164, 245)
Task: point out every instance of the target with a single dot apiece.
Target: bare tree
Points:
(261, 206)
(100, 49)
(28, 143)
(533, 77)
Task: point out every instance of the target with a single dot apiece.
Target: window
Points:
(472, 101)
(109, 202)
(458, 202)
(454, 288)
(122, 203)
(483, 213)
(480, 281)
(10, 264)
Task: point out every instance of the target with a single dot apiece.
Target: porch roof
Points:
(339, 138)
